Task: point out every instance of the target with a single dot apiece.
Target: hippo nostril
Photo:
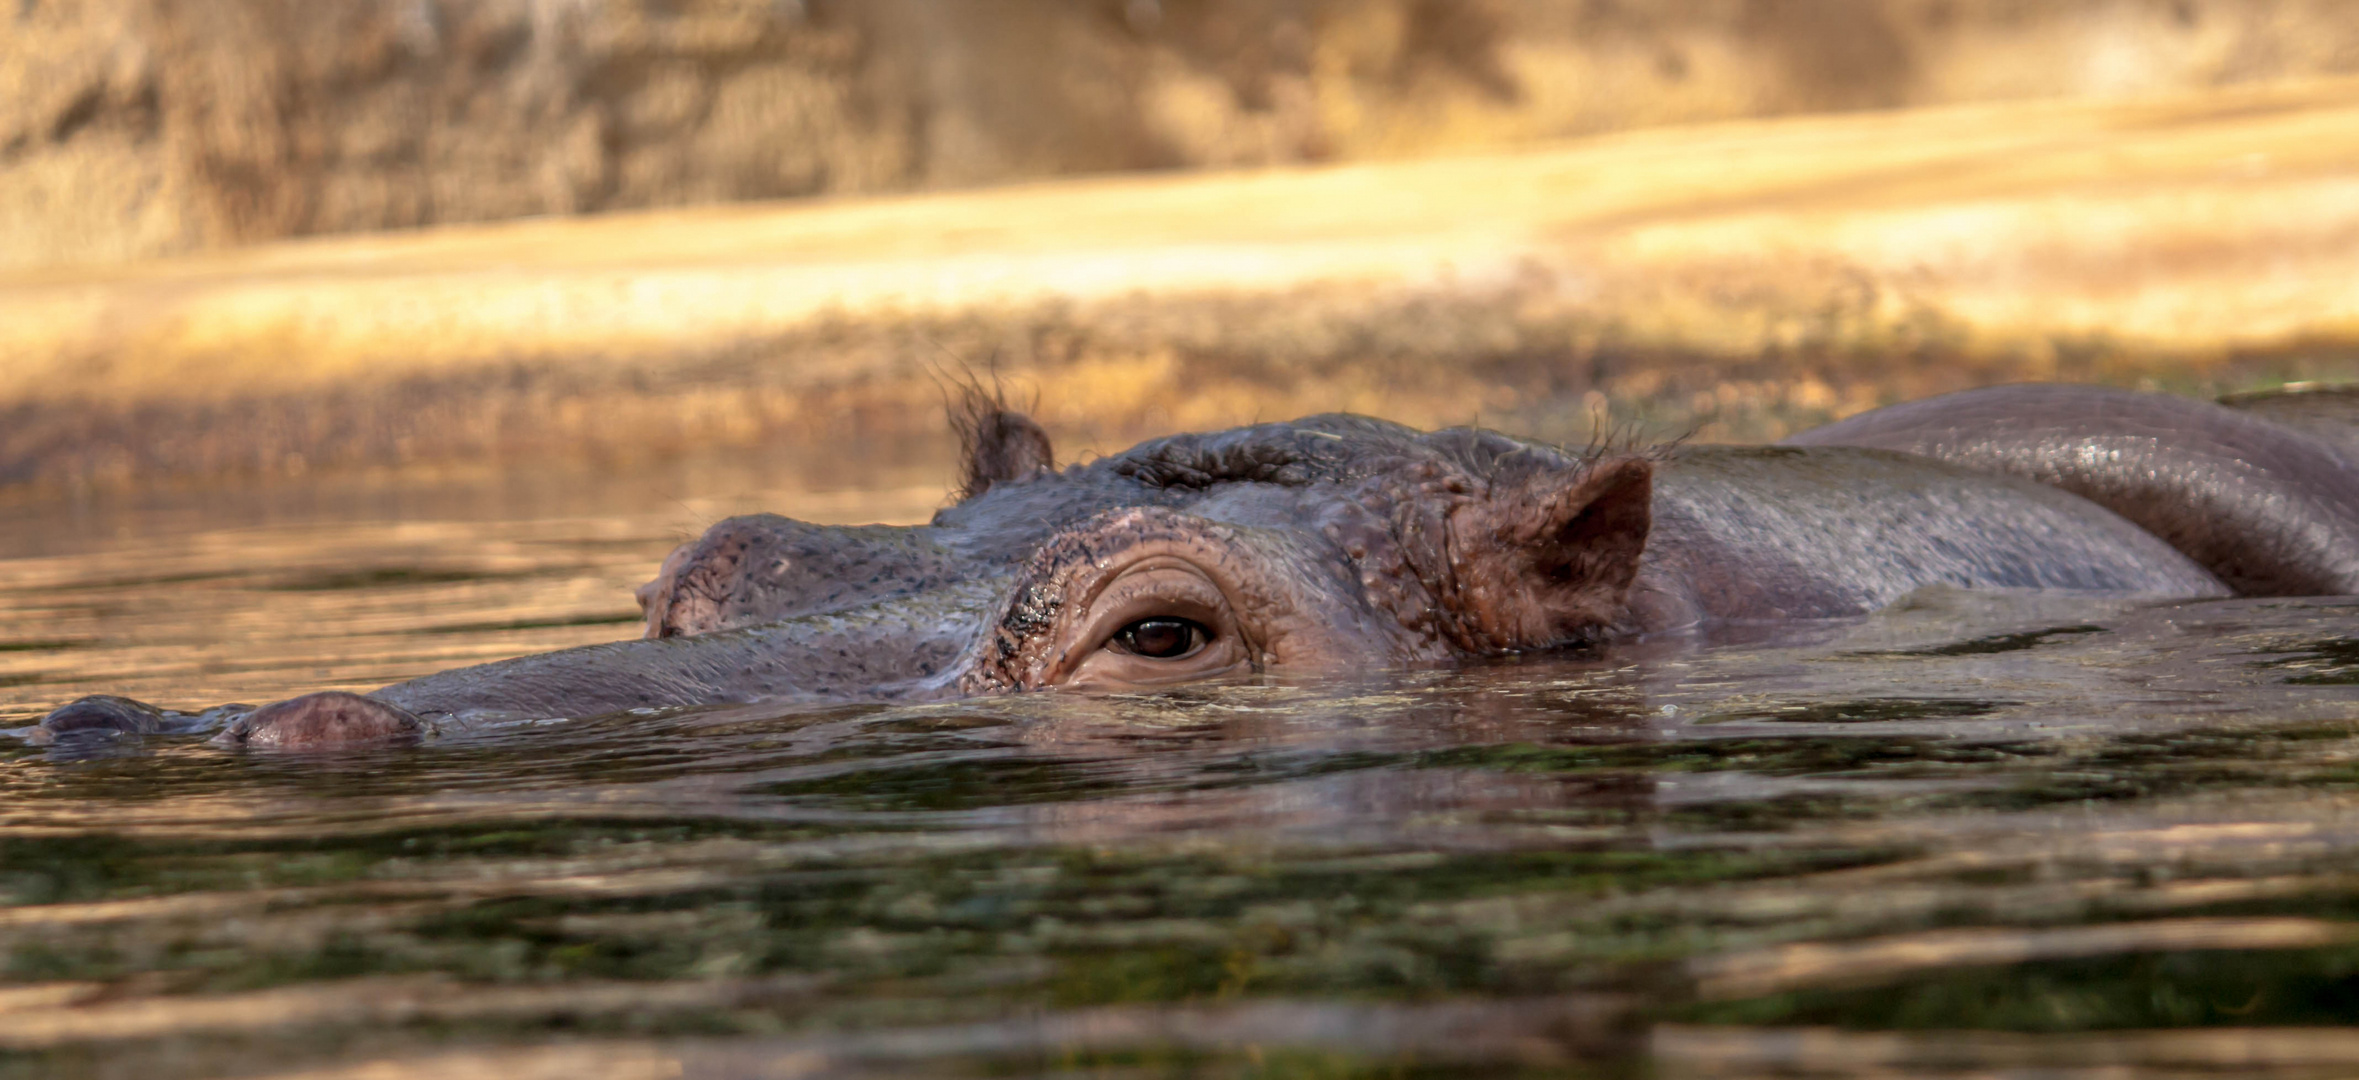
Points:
(104, 712)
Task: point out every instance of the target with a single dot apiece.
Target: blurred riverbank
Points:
(1732, 280)
(145, 128)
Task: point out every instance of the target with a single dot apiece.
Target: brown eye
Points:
(1162, 638)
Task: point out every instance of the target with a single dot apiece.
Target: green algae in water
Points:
(1866, 711)
(2217, 988)
(1994, 643)
(2328, 662)
(956, 785)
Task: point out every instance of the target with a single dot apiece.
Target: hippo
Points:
(1344, 543)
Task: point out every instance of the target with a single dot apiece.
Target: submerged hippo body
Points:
(1333, 542)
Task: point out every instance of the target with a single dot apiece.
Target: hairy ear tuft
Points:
(996, 444)
(1547, 560)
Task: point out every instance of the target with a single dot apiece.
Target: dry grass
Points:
(1735, 279)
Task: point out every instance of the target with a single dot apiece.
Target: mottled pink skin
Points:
(668, 604)
(328, 719)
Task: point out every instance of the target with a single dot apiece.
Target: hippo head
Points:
(1329, 543)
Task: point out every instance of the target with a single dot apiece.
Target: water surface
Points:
(1973, 836)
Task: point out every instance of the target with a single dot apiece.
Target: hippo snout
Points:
(762, 568)
(319, 721)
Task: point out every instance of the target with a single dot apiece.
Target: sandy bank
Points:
(146, 128)
(1741, 276)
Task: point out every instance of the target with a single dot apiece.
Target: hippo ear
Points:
(1547, 560)
(998, 445)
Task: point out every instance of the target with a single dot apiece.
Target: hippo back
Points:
(2329, 414)
(2270, 510)
(1762, 533)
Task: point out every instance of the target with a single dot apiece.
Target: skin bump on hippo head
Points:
(1344, 543)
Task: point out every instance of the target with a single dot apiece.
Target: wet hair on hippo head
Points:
(1333, 448)
(999, 444)
(996, 443)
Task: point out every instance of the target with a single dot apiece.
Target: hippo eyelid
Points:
(1158, 587)
(1127, 639)
(1161, 586)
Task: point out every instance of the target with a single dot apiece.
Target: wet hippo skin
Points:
(1779, 533)
(2329, 414)
(332, 718)
(1341, 542)
(2271, 510)
(105, 712)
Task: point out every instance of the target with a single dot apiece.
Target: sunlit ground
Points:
(1736, 279)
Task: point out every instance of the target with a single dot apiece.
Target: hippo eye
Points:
(1155, 619)
(1162, 638)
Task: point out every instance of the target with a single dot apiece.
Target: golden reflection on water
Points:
(194, 598)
